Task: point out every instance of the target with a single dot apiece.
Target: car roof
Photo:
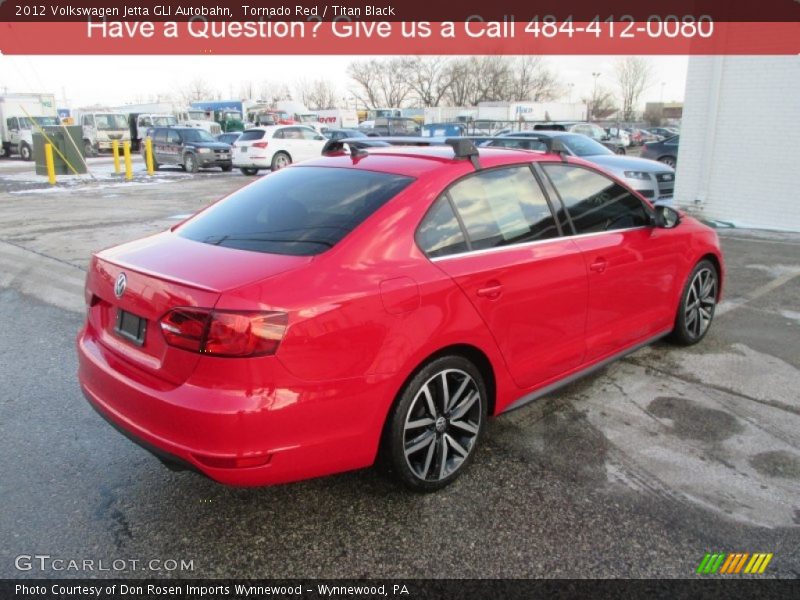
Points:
(414, 161)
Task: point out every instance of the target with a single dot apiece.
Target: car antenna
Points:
(465, 148)
(356, 152)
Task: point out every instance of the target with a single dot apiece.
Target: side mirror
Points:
(666, 217)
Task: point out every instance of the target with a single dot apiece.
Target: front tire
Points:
(698, 303)
(190, 163)
(25, 151)
(436, 424)
(670, 161)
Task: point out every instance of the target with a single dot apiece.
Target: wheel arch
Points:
(714, 260)
(473, 354)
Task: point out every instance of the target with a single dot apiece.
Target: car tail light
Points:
(260, 145)
(224, 333)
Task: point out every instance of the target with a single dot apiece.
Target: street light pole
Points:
(594, 95)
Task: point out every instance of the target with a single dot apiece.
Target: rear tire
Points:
(436, 424)
(227, 168)
(248, 171)
(697, 305)
(281, 160)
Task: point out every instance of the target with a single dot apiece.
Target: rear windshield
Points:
(299, 211)
(252, 134)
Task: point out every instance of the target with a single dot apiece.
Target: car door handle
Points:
(599, 265)
(491, 291)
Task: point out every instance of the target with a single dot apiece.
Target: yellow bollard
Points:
(148, 153)
(126, 146)
(115, 152)
(51, 167)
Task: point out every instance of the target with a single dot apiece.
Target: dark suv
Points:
(189, 147)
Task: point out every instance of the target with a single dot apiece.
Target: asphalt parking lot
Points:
(635, 471)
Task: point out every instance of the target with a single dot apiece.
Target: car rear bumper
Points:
(251, 163)
(273, 429)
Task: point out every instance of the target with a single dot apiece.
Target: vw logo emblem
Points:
(120, 285)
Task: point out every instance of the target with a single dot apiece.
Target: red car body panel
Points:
(363, 316)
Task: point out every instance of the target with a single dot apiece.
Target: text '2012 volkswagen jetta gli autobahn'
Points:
(382, 302)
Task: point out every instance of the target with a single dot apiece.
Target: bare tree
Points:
(601, 103)
(272, 92)
(247, 90)
(197, 89)
(459, 73)
(428, 78)
(318, 94)
(634, 75)
(530, 78)
(379, 83)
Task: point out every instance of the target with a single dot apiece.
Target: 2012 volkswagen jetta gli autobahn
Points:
(382, 303)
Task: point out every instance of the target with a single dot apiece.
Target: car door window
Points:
(499, 207)
(439, 234)
(308, 134)
(594, 202)
(292, 133)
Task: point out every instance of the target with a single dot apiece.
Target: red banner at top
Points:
(388, 38)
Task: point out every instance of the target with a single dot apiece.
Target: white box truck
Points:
(338, 118)
(19, 115)
(101, 126)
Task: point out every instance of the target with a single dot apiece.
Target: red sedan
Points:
(383, 302)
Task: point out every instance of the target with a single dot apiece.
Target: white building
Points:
(739, 156)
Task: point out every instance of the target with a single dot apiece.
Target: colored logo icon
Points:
(734, 563)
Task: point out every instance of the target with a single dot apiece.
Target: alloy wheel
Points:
(442, 425)
(700, 303)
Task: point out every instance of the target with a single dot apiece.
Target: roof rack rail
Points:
(465, 148)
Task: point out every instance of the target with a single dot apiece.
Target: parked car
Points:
(664, 132)
(340, 134)
(188, 147)
(665, 151)
(653, 180)
(228, 138)
(275, 147)
(620, 135)
(395, 126)
(642, 136)
(340, 307)
(590, 130)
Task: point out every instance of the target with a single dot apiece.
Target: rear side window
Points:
(160, 136)
(439, 234)
(503, 206)
(299, 211)
(252, 134)
(594, 202)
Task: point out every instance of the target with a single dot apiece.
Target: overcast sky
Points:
(116, 80)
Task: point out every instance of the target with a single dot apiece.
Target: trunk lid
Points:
(163, 272)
